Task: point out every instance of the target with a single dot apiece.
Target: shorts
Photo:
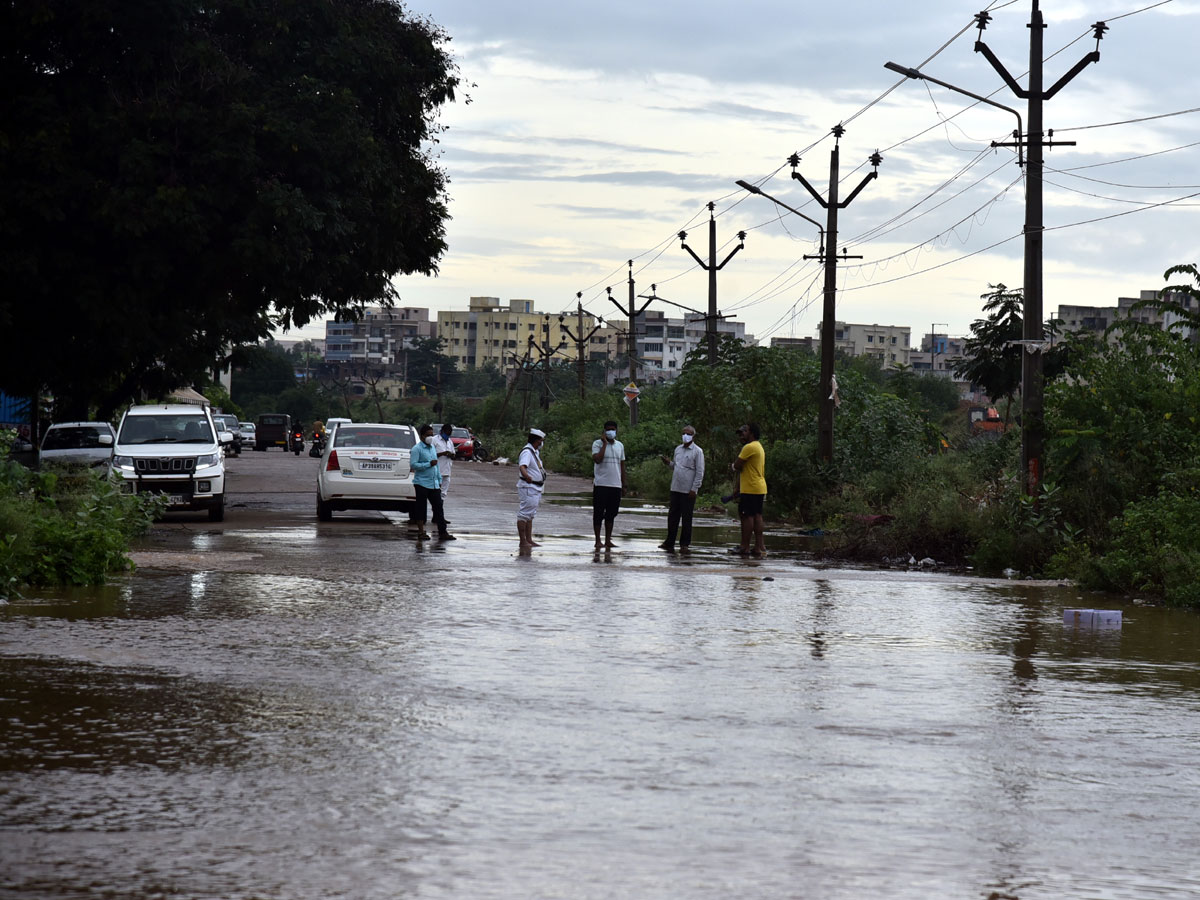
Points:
(528, 498)
(606, 503)
(751, 504)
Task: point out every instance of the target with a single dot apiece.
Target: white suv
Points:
(173, 450)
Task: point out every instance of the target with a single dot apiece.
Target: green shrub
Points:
(1155, 547)
(65, 526)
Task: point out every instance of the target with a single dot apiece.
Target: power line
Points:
(1182, 112)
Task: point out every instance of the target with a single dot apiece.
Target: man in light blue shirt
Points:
(427, 481)
(688, 475)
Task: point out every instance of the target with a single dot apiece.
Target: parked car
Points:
(86, 443)
(274, 430)
(365, 466)
(248, 430)
(229, 423)
(175, 450)
(462, 439)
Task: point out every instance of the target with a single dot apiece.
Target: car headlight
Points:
(203, 462)
(123, 462)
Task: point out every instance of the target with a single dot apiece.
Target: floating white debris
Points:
(1092, 618)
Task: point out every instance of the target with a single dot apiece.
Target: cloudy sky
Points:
(595, 134)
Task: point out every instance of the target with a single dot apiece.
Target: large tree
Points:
(181, 175)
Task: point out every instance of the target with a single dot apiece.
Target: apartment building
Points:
(890, 344)
(490, 331)
(379, 337)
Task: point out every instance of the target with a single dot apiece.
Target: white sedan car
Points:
(365, 466)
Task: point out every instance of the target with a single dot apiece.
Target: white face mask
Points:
(429, 440)
(610, 434)
(687, 439)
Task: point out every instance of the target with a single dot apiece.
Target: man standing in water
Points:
(427, 483)
(531, 482)
(608, 482)
(688, 466)
(752, 486)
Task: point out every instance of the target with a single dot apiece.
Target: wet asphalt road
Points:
(275, 708)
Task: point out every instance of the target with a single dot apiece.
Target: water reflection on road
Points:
(393, 721)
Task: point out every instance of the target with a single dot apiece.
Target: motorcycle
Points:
(297, 442)
(479, 451)
(318, 445)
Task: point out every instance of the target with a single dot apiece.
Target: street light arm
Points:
(916, 73)
(746, 186)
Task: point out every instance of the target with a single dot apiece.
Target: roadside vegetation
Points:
(64, 525)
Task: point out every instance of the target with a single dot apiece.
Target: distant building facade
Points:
(379, 337)
(890, 344)
(496, 333)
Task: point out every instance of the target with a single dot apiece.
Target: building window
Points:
(870, 338)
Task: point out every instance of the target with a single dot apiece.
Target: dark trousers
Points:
(682, 506)
(434, 497)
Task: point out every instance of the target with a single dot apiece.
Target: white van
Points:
(173, 449)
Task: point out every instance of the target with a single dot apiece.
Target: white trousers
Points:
(528, 498)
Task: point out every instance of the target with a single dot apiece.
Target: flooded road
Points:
(281, 708)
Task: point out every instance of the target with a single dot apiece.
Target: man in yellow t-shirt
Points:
(752, 489)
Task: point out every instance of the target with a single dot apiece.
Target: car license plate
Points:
(177, 499)
(376, 466)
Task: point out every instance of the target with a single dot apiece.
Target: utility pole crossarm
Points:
(741, 246)
(1092, 57)
(812, 190)
(701, 263)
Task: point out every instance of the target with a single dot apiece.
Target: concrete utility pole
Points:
(512, 386)
(545, 352)
(632, 312)
(580, 340)
(829, 257)
(710, 321)
(1032, 385)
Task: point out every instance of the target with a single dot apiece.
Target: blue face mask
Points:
(610, 434)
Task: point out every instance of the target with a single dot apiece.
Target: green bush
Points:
(65, 526)
(1156, 545)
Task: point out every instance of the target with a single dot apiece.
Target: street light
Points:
(909, 72)
(754, 189)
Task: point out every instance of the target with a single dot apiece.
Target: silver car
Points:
(84, 443)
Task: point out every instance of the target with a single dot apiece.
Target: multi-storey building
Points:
(890, 344)
(379, 337)
(1097, 319)
(489, 331)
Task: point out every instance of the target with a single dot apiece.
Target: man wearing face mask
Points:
(688, 466)
(427, 481)
(608, 483)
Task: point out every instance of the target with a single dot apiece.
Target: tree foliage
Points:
(182, 175)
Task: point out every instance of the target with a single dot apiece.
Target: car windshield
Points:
(272, 420)
(460, 433)
(373, 436)
(165, 428)
(247, 426)
(225, 423)
(82, 437)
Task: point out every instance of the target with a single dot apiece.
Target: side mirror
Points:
(225, 437)
(104, 440)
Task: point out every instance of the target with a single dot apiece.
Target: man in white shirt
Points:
(531, 480)
(444, 448)
(688, 475)
(608, 482)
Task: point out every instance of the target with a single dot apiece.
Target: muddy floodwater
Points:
(334, 711)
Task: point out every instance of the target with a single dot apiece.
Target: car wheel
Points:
(324, 513)
(217, 513)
